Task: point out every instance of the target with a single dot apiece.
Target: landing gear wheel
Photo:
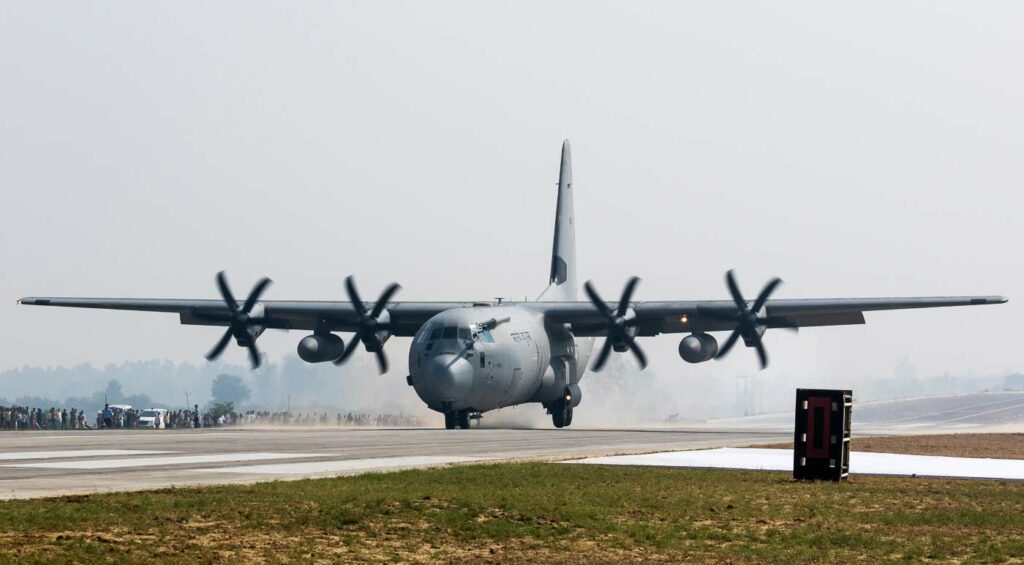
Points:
(449, 420)
(561, 415)
(464, 419)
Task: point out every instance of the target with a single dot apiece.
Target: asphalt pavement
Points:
(42, 463)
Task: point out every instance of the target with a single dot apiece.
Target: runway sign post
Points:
(821, 441)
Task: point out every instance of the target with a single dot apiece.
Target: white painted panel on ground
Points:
(155, 461)
(19, 455)
(349, 466)
(860, 462)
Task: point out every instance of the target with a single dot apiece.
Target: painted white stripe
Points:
(157, 461)
(349, 466)
(19, 455)
(860, 462)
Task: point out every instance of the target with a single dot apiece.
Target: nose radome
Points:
(449, 376)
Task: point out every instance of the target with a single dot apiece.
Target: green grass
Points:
(531, 512)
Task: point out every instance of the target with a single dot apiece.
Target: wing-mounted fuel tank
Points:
(698, 347)
(320, 348)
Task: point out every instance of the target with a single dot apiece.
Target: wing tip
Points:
(990, 300)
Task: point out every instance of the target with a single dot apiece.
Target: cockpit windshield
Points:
(450, 332)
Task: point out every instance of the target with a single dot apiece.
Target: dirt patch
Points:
(991, 446)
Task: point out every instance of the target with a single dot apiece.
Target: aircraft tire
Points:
(464, 419)
(449, 420)
(561, 416)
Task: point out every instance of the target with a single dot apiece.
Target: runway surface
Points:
(861, 463)
(34, 464)
(1003, 410)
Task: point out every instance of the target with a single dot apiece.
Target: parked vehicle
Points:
(155, 418)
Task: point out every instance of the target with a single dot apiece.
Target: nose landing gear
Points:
(456, 418)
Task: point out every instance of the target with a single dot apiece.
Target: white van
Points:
(155, 418)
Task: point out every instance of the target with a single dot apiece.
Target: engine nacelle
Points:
(697, 348)
(319, 348)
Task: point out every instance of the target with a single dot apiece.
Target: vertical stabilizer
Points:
(562, 280)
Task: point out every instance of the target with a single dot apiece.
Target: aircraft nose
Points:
(449, 376)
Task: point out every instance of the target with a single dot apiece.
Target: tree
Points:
(221, 409)
(229, 389)
(114, 393)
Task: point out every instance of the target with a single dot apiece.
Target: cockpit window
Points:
(423, 334)
(463, 334)
(449, 333)
(435, 334)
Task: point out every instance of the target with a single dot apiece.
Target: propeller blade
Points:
(765, 293)
(219, 348)
(350, 348)
(762, 354)
(225, 292)
(734, 290)
(627, 295)
(382, 361)
(602, 356)
(731, 341)
(255, 294)
(385, 297)
(640, 356)
(254, 354)
(595, 298)
(353, 296)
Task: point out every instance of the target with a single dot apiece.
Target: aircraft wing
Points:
(653, 318)
(406, 317)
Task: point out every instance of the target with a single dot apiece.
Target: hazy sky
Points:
(869, 149)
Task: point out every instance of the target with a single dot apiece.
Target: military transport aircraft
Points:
(470, 357)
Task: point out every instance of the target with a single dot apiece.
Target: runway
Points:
(36, 464)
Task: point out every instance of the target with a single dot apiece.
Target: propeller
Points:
(240, 319)
(749, 324)
(371, 323)
(618, 322)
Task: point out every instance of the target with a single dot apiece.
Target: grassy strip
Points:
(531, 512)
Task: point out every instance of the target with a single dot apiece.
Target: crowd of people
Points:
(124, 417)
(30, 418)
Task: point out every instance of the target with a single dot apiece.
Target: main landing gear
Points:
(456, 418)
(561, 414)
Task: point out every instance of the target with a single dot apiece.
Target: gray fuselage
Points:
(460, 361)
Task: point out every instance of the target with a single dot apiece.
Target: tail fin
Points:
(562, 281)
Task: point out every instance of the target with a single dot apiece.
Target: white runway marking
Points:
(352, 465)
(162, 461)
(18, 455)
(860, 462)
